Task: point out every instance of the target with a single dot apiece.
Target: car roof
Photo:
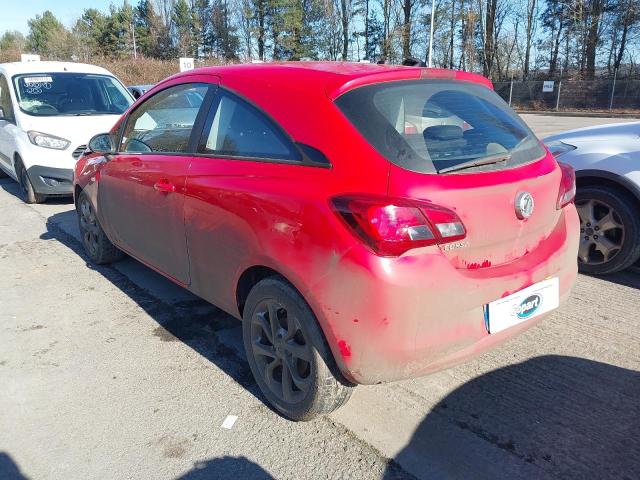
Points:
(297, 94)
(334, 77)
(17, 68)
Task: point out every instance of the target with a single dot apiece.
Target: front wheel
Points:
(29, 195)
(609, 230)
(96, 244)
(288, 353)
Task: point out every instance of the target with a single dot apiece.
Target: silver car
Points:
(607, 163)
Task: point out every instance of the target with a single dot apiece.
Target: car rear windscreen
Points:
(432, 126)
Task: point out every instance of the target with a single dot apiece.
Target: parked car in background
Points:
(292, 197)
(607, 163)
(138, 90)
(48, 113)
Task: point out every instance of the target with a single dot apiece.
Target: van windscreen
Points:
(67, 93)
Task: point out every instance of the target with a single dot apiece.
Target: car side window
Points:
(164, 122)
(5, 100)
(238, 129)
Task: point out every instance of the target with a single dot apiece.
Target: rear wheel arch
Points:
(600, 178)
(253, 275)
(250, 278)
(620, 195)
(329, 389)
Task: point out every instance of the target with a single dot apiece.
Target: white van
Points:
(48, 113)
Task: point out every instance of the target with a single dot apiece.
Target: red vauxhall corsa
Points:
(367, 223)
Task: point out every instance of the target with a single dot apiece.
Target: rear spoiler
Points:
(409, 73)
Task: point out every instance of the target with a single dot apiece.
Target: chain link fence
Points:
(621, 95)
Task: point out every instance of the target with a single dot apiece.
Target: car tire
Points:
(29, 195)
(298, 361)
(95, 242)
(619, 247)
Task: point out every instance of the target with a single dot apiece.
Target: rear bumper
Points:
(51, 181)
(392, 318)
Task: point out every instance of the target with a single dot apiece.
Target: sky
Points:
(15, 13)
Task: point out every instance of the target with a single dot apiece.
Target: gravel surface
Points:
(114, 372)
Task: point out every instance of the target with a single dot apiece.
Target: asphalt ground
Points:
(114, 372)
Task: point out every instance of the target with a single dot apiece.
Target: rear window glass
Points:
(432, 126)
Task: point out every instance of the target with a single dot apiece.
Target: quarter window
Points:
(164, 122)
(238, 129)
(5, 100)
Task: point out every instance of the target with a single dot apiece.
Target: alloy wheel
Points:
(602, 232)
(89, 226)
(281, 351)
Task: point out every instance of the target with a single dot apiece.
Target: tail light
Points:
(567, 185)
(390, 227)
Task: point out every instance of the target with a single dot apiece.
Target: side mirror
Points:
(101, 143)
(2, 117)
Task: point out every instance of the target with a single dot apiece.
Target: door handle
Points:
(164, 186)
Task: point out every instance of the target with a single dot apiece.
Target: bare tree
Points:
(245, 24)
(627, 17)
(345, 18)
(489, 40)
(407, 7)
(593, 36)
(530, 27)
(453, 20)
(386, 25)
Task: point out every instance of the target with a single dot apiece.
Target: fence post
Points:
(613, 88)
(511, 89)
(559, 88)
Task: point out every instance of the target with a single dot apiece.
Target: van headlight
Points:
(558, 148)
(48, 141)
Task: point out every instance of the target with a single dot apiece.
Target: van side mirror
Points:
(101, 143)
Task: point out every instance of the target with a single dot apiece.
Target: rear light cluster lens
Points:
(390, 227)
(567, 192)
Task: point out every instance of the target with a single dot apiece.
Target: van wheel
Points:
(609, 230)
(29, 195)
(288, 353)
(96, 244)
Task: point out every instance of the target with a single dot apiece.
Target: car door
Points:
(236, 194)
(8, 128)
(141, 194)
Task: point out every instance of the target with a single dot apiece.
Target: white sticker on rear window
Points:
(30, 80)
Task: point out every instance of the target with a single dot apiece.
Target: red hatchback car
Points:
(367, 223)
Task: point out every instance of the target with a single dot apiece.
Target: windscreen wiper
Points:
(476, 162)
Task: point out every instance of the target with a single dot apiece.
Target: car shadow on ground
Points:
(9, 185)
(226, 468)
(628, 278)
(9, 470)
(223, 468)
(550, 416)
(189, 319)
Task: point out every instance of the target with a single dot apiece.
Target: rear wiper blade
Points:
(476, 162)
